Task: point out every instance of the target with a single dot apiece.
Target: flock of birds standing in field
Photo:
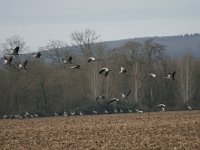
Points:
(8, 61)
(26, 115)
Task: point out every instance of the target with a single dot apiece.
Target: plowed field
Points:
(160, 130)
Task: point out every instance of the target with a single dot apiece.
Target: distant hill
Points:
(174, 45)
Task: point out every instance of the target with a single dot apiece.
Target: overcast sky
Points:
(38, 21)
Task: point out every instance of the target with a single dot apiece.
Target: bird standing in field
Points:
(115, 110)
(5, 117)
(106, 70)
(95, 112)
(80, 113)
(122, 70)
(189, 107)
(163, 109)
(35, 115)
(65, 114)
(138, 111)
(125, 96)
(105, 111)
(130, 111)
(72, 113)
(171, 75)
(163, 106)
(121, 110)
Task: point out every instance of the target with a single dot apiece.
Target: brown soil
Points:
(161, 130)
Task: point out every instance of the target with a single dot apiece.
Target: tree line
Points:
(48, 87)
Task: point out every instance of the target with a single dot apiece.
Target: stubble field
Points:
(160, 130)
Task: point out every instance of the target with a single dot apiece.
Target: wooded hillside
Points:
(56, 86)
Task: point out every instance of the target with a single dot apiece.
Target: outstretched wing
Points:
(173, 75)
(106, 74)
(129, 92)
(101, 71)
(114, 100)
(90, 59)
(111, 101)
(75, 67)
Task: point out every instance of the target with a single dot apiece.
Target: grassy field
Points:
(160, 130)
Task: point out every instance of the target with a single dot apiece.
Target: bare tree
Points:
(57, 50)
(185, 77)
(133, 57)
(85, 42)
(154, 55)
(13, 42)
